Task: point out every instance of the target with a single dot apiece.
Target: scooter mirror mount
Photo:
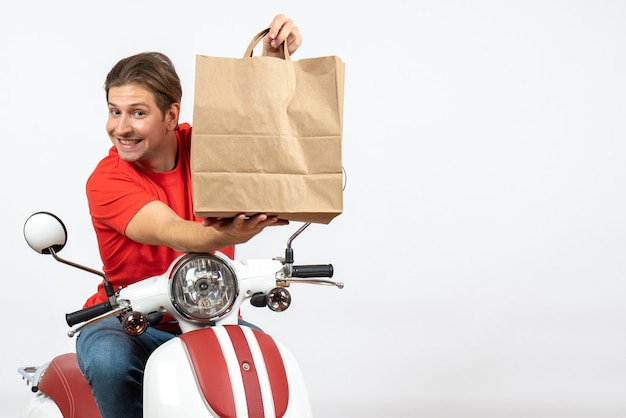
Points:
(45, 233)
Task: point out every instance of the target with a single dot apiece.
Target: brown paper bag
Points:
(267, 136)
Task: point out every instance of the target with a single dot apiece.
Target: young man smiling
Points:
(141, 207)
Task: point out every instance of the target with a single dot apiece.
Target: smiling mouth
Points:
(129, 141)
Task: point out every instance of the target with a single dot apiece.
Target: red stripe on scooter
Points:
(275, 371)
(211, 370)
(251, 384)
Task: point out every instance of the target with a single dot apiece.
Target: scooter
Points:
(215, 367)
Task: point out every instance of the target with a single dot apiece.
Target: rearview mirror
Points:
(45, 232)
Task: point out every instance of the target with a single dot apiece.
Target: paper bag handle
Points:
(258, 38)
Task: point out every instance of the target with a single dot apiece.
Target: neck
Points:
(166, 159)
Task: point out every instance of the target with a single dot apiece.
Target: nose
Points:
(122, 125)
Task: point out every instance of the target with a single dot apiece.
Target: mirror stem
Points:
(69, 263)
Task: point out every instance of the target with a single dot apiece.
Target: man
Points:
(141, 207)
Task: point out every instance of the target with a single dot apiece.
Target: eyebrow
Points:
(111, 104)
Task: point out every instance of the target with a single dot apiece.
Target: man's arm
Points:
(157, 224)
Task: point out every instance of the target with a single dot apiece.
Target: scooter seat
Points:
(65, 384)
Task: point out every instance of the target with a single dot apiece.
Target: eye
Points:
(139, 113)
(114, 112)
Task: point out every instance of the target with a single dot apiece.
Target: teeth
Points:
(129, 141)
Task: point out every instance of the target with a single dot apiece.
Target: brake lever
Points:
(124, 307)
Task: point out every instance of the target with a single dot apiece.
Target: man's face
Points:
(139, 131)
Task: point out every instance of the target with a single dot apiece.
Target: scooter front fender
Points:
(224, 371)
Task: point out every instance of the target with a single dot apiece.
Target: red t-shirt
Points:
(116, 190)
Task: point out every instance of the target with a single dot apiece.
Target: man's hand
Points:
(281, 28)
(241, 228)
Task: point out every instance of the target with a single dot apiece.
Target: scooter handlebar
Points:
(87, 313)
(310, 271)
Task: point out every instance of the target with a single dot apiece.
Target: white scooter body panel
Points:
(172, 387)
(41, 406)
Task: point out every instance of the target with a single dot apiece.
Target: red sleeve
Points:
(115, 196)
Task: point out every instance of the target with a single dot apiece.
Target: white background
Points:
(483, 238)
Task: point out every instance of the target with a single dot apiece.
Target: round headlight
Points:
(203, 287)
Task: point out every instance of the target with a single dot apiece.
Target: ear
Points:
(172, 115)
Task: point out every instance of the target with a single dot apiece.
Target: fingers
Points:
(283, 28)
(242, 222)
(257, 222)
(241, 228)
(260, 221)
(239, 220)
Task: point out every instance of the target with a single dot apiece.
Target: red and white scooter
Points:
(215, 368)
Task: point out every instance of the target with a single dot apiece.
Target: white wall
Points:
(483, 238)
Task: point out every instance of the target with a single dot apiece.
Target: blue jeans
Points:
(113, 363)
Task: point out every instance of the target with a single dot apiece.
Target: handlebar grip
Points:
(318, 270)
(87, 313)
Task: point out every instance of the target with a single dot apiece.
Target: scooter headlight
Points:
(203, 287)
